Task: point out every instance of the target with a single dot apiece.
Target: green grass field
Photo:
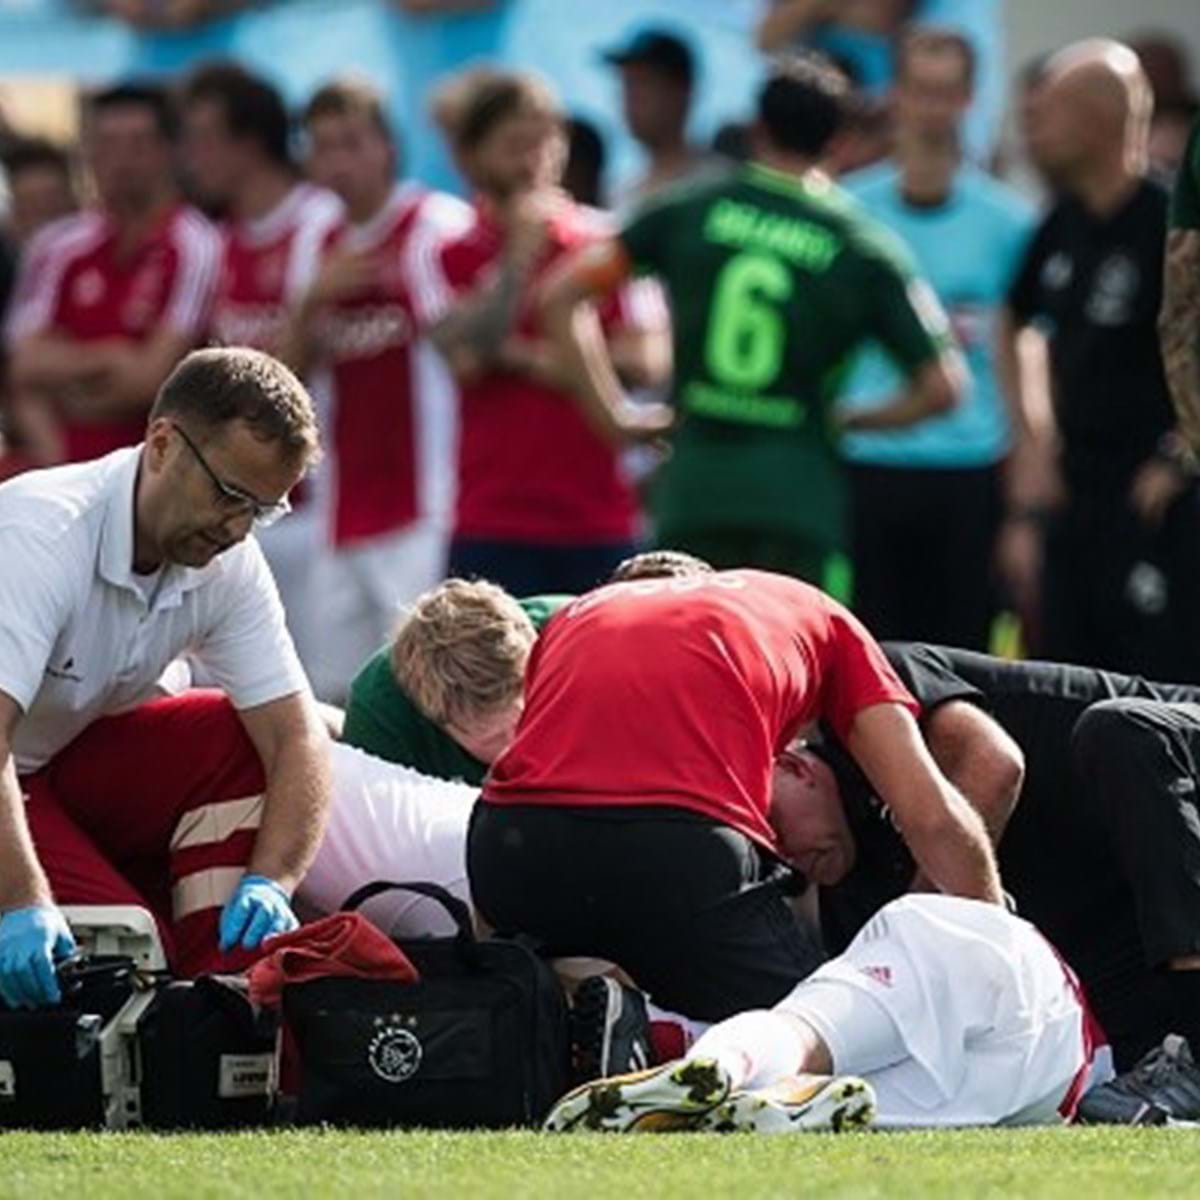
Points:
(1077, 1164)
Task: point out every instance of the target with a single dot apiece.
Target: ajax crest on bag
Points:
(394, 1054)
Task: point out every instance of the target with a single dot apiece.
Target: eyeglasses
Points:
(232, 499)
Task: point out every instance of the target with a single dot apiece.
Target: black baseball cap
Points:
(656, 48)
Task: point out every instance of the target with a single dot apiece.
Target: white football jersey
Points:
(389, 822)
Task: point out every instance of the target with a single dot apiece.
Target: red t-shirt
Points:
(76, 281)
(264, 263)
(682, 692)
(530, 468)
(393, 404)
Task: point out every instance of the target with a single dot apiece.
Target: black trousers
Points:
(1138, 763)
(694, 911)
(1119, 595)
(921, 542)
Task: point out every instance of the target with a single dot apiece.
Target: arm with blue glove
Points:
(33, 933)
(258, 909)
(295, 751)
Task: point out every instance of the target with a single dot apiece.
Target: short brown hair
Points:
(937, 39)
(450, 96)
(349, 96)
(498, 96)
(251, 108)
(660, 564)
(460, 651)
(210, 389)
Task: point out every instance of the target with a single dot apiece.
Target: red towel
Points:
(344, 944)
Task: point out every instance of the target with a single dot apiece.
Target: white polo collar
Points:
(116, 543)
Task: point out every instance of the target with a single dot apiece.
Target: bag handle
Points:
(460, 914)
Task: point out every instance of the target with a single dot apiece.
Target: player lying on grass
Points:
(1100, 853)
(392, 822)
(943, 1011)
(985, 721)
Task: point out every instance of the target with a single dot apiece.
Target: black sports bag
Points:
(208, 1060)
(479, 1041)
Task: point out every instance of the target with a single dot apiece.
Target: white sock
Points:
(756, 1048)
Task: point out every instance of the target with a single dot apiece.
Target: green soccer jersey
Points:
(1185, 204)
(774, 283)
(382, 720)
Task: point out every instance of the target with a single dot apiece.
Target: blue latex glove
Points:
(258, 909)
(31, 939)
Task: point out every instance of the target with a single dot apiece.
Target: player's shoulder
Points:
(995, 198)
(67, 237)
(192, 233)
(873, 185)
(590, 222)
(375, 673)
(444, 214)
(313, 204)
(63, 509)
(864, 236)
(477, 244)
(770, 584)
(1152, 199)
(698, 189)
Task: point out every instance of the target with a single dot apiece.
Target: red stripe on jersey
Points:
(1092, 1035)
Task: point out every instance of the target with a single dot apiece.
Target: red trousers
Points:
(157, 807)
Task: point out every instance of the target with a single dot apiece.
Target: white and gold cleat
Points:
(672, 1097)
(795, 1104)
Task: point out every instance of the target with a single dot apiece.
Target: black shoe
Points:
(610, 1032)
(1162, 1089)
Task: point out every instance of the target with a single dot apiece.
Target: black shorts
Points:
(694, 911)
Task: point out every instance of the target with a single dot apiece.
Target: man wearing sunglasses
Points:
(112, 789)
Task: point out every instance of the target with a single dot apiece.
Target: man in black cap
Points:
(657, 73)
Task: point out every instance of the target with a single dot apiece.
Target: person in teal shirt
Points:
(925, 500)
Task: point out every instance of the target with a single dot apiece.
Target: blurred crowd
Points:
(1051, 509)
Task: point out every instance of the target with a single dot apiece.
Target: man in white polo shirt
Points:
(112, 570)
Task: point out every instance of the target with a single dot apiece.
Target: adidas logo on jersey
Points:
(881, 975)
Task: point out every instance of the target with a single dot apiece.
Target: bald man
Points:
(1104, 507)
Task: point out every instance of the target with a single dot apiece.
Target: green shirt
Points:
(382, 720)
(774, 283)
(1185, 204)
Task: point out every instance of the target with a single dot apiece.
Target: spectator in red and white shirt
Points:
(109, 300)
(236, 152)
(631, 818)
(393, 405)
(543, 501)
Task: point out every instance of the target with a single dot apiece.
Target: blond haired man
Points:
(445, 694)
